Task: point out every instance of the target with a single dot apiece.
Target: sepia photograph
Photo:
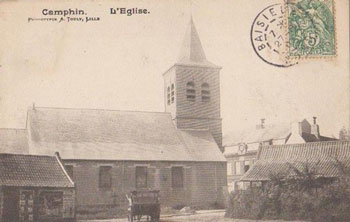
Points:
(187, 110)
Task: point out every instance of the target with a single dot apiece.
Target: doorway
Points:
(11, 205)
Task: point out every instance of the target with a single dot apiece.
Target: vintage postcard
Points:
(188, 110)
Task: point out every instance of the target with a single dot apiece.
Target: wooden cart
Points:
(144, 203)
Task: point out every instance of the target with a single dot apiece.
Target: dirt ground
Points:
(200, 216)
(203, 217)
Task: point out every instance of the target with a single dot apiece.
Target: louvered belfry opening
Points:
(205, 92)
(190, 91)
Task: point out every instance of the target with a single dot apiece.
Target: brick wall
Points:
(209, 183)
(203, 183)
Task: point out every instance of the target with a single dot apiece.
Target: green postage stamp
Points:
(311, 28)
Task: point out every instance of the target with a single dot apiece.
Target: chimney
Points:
(297, 128)
(315, 129)
(262, 124)
(57, 154)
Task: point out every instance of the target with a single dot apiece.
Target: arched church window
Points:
(172, 93)
(205, 92)
(190, 91)
(168, 95)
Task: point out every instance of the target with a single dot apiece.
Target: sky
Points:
(118, 62)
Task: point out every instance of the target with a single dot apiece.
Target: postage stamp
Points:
(311, 28)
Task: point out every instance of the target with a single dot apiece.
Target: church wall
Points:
(204, 184)
(210, 183)
(198, 114)
(198, 108)
(169, 79)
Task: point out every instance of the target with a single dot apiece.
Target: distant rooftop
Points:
(322, 157)
(255, 134)
(281, 131)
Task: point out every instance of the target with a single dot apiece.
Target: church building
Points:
(109, 153)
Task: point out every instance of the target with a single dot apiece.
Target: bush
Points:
(303, 197)
(248, 204)
(179, 206)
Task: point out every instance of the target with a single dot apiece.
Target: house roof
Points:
(35, 171)
(256, 135)
(13, 141)
(116, 135)
(192, 52)
(269, 132)
(308, 137)
(284, 159)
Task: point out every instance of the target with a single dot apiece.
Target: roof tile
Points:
(116, 135)
(35, 171)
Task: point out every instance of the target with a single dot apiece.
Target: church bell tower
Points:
(192, 88)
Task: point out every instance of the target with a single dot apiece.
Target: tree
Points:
(344, 134)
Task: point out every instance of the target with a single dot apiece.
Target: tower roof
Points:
(192, 52)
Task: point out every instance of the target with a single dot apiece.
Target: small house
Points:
(35, 188)
(241, 148)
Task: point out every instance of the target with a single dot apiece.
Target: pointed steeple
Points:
(192, 52)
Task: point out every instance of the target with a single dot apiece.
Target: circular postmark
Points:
(268, 36)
